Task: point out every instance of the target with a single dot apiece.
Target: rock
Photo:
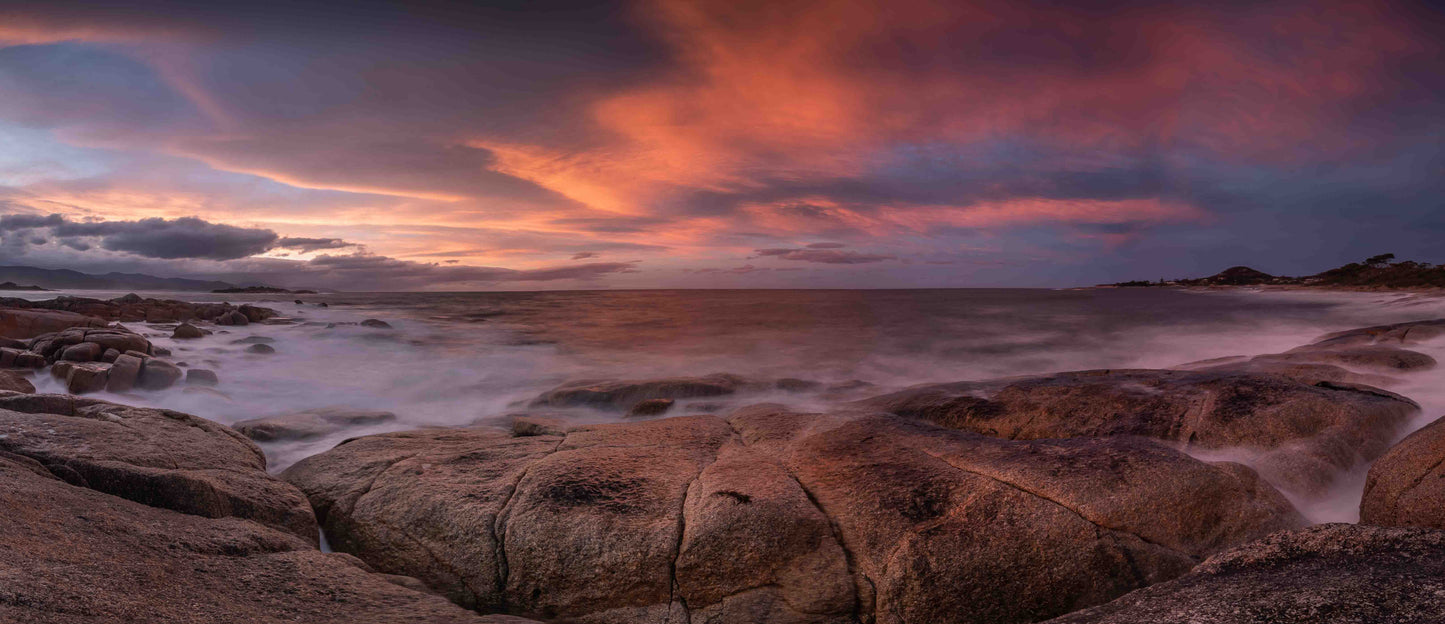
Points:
(124, 373)
(254, 340)
(187, 331)
(12, 343)
(778, 517)
(1380, 358)
(263, 349)
(109, 356)
(233, 318)
(299, 302)
(255, 314)
(1304, 372)
(161, 351)
(29, 359)
(1302, 436)
(1406, 487)
(376, 323)
(130, 298)
(73, 555)
(620, 395)
(12, 382)
(1326, 574)
(21, 323)
(83, 352)
(650, 407)
(323, 304)
(157, 375)
(85, 377)
(201, 377)
(156, 457)
(309, 424)
(1417, 332)
(119, 339)
(538, 426)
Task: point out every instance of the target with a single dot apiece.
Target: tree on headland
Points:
(1380, 259)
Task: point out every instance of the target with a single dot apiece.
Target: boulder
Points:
(73, 554)
(1300, 436)
(156, 457)
(650, 407)
(1372, 357)
(124, 373)
(233, 318)
(1406, 487)
(12, 382)
(261, 348)
(157, 375)
(1326, 574)
(255, 314)
(202, 377)
(86, 377)
(187, 331)
(118, 338)
(309, 424)
(622, 395)
(1412, 333)
(538, 426)
(376, 324)
(780, 517)
(110, 355)
(29, 323)
(1304, 372)
(83, 352)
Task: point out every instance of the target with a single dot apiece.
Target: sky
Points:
(727, 144)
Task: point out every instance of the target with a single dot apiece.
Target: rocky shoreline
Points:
(1088, 496)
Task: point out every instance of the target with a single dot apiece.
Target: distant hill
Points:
(66, 279)
(1377, 272)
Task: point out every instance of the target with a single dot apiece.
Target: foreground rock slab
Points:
(1301, 435)
(774, 516)
(155, 457)
(1327, 574)
(1406, 487)
(72, 555)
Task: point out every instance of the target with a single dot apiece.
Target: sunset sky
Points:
(852, 143)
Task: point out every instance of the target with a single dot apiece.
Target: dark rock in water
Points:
(162, 351)
(621, 395)
(323, 304)
(87, 556)
(83, 352)
(310, 423)
(779, 517)
(523, 426)
(186, 331)
(201, 377)
(261, 348)
(650, 407)
(254, 340)
(86, 377)
(376, 323)
(255, 314)
(1417, 332)
(233, 318)
(124, 373)
(13, 382)
(131, 298)
(1305, 435)
(155, 457)
(299, 302)
(1326, 574)
(1406, 487)
(158, 375)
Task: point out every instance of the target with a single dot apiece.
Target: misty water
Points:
(459, 359)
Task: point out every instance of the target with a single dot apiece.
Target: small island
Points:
(14, 286)
(1380, 272)
(262, 290)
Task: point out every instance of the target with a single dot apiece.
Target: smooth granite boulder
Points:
(623, 395)
(1406, 487)
(1300, 436)
(780, 517)
(309, 424)
(1326, 574)
(24, 323)
(155, 457)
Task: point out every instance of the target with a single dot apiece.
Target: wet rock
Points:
(538, 426)
(160, 351)
(158, 375)
(1380, 358)
(75, 555)
(156, 457)
(13, 343)
(29, 359)
(25, 323)
(310, 424)
(1417, 332)
(109, 356)
(124, 372)
(120, 339)
(1326, 574)
(263, 349)
(12, 382)
(254, 340)
(86, 377)
(233, 318)
(1406, 487)
(255, 314)
(650, 407)
(621, 395)
(202, 377)
(1303, 435)
(376, 324)
(83, 352)
(780, 517)
(187, 331)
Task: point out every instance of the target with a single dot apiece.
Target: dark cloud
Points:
(824, 256)
(311, 244)
(826, 246)
(186, 237)
(583, 255)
